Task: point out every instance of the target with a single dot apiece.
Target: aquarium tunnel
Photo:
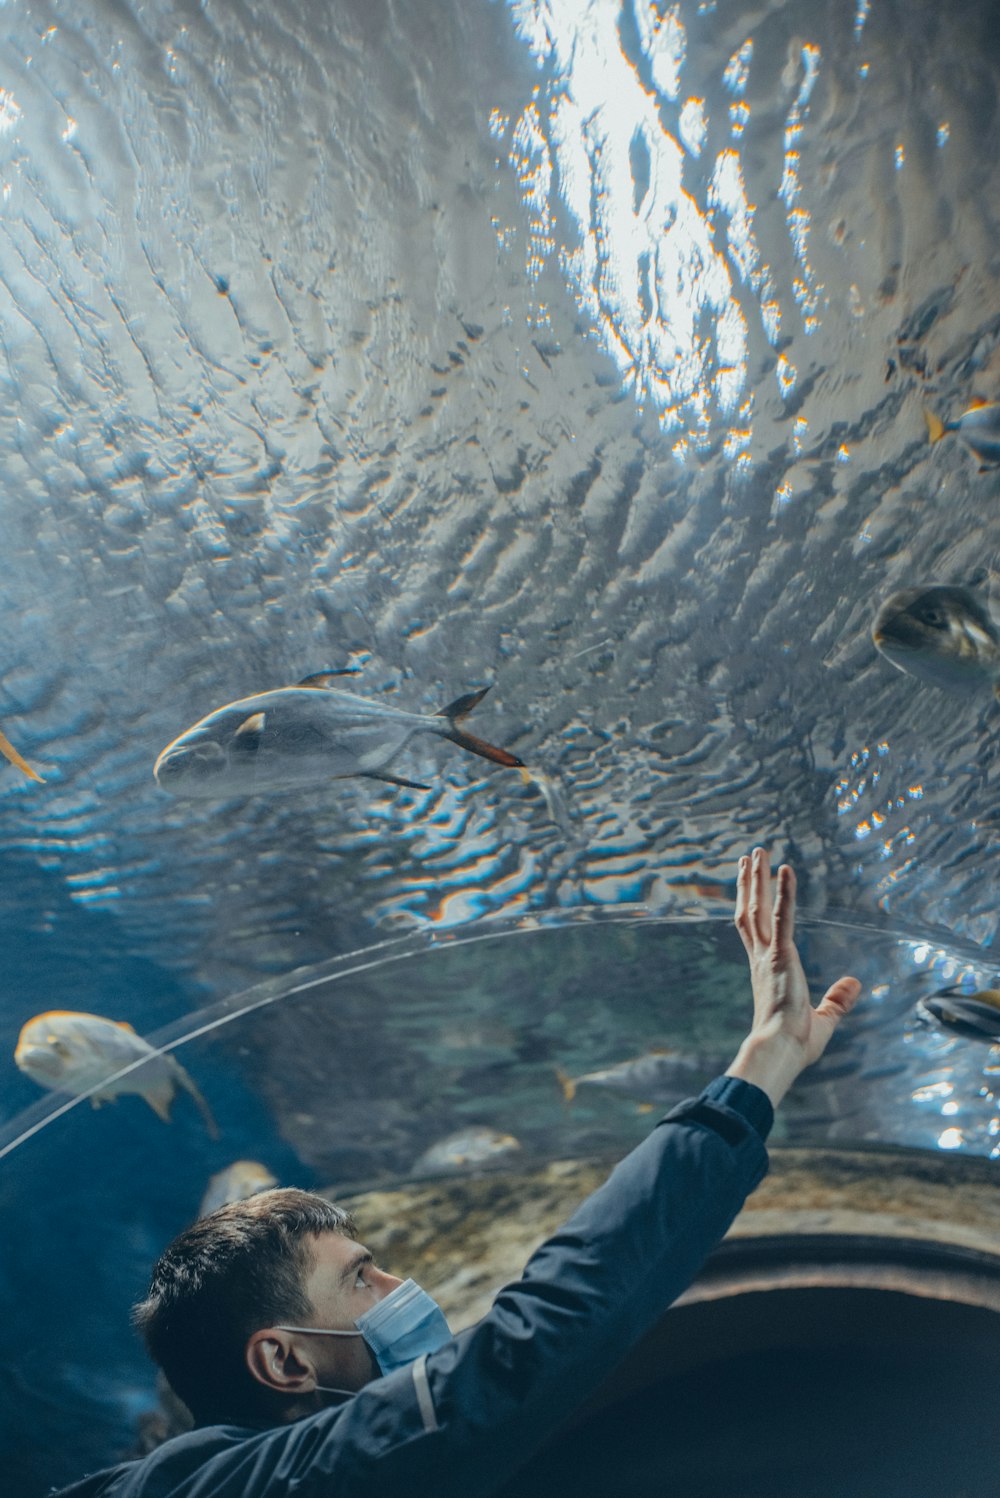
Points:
(471, 470)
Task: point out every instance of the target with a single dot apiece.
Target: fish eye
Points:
(934, 617)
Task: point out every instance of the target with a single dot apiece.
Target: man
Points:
(310, 1371)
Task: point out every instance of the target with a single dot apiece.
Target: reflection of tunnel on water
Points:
(835, 1387)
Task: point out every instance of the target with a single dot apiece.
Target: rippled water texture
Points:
(575, 349)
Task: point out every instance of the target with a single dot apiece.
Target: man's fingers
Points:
(839, 999)
(783, 928)
(742, 917)
(760, 897)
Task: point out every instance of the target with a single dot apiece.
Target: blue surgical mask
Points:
(403, 1325)
(399, 1328)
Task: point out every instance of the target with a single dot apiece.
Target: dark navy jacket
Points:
(460, 1422)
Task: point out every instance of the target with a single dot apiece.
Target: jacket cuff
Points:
(744, 1098)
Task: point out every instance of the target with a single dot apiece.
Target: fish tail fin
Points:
(567, 1084)
(203, 1108)
(461, 708)
(484, 750)
(935, 426)
(9, 752)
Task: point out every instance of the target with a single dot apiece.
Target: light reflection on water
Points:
(576, 348)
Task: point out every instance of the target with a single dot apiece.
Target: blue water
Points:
(579, 350)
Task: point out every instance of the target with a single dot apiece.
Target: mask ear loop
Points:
(324, 1331)
(317, 1331)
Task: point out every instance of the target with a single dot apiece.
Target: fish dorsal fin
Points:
(935, 426)
(123, 1024)
(247, 737)
(462, 706)
(322, 681)
(977, 402)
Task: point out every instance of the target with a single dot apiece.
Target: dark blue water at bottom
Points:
(88, 1204)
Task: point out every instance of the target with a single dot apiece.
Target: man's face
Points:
(342, 1284)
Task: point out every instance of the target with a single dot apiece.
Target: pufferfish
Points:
(305, 735)
(70, 1051)
(941, 635)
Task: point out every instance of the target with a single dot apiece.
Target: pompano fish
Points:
(976, 1014)
(978, 427)
(939, 634)
(658, 1076)
(9, 752)
(304, 735)
(464, 1150)
(69, 1051)
(234, 1184)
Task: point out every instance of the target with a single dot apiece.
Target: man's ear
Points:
(275, 1362)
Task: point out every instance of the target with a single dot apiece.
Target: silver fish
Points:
(978, 427)
(234, 1184)
(70, 1051)
(975, 1014)
(304, 735)
(658, 1076)
(941, 635)
(465, 1150)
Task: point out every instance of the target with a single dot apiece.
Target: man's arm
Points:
(463, 1420)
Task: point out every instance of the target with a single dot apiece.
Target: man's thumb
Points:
(839, 999)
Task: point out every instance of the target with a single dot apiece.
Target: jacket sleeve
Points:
(460, 1422)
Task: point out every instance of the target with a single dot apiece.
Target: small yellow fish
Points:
(69, 1051)
(465, 1150)
(554, 803)
(978, 427)
(9, 752)
(234, 1184)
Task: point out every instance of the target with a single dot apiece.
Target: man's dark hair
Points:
(238, 1269)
